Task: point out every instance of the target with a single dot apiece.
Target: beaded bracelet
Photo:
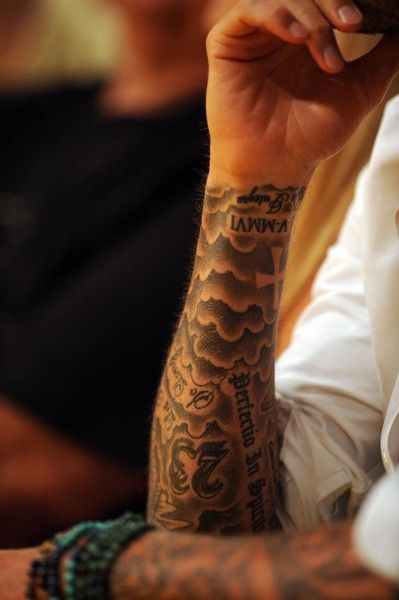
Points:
(87, 570)
(94, 546)
(44, 570)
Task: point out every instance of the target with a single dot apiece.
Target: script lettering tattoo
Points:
(200, 399)
(215, 449)
(274, 200)
(315, 565)
(180, 382)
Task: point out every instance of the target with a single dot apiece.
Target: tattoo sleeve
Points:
(214, 444)
(317, 565)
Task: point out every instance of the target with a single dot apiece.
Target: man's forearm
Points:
(316, 565)
(214, 444)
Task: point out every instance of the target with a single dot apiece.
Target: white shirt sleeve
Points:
(376, 529)
(328, 393)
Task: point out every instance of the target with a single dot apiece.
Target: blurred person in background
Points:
(45, 42)
(95, 182)
(77, 40)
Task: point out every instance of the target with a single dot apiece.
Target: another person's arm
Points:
(320, 564)
(316, 565)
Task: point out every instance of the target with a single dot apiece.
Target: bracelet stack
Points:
(93, 547)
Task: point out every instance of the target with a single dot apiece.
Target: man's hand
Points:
(280, 97)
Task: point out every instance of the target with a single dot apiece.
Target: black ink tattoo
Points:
(311, 565)
(276, 201)
(180, 382)
(200, 399)
(210, 455)
(258, 225)
(221, 368)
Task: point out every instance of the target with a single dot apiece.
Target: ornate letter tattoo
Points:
(214, 448)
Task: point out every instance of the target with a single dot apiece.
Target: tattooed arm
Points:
(317, 565)
(273, 115)
(214, 448)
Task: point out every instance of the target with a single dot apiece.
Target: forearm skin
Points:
(214, 448)
(316, 565)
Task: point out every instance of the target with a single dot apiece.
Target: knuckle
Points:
(278, 14)
(211, 41)
(321, 29)
(325, 5)
(328, 7)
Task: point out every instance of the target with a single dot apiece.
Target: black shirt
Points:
(97, 232)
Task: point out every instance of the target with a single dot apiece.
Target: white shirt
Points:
(376, 529)
(338, 383)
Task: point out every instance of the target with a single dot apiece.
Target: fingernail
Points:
(333, 59)
(298, 30)
(350, 14)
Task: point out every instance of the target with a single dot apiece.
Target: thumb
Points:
(374, 71)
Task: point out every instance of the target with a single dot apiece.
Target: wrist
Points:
(72, 561)
(254, 208)
(224, 175)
